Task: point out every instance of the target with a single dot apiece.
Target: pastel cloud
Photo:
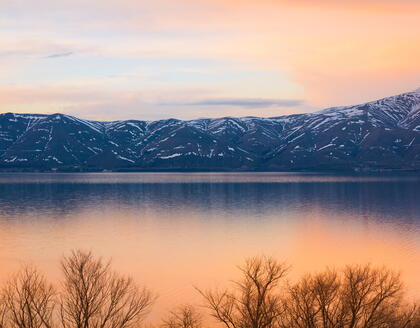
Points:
(247, 102)
(109, 104)
(61, 54)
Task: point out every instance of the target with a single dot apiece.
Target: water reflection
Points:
(173, 231)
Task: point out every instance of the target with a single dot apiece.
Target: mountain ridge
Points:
(379, 135)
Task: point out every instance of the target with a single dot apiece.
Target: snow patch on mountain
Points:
(339, 137)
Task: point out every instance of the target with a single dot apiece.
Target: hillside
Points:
(383, 134)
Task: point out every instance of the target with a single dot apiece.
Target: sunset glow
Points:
(139, 59)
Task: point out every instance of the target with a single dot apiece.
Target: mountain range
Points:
(379, 135)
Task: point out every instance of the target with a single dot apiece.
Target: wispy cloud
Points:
(244, 102)
(247, 54)
(61, 54)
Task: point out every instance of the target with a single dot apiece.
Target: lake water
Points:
(173, 231)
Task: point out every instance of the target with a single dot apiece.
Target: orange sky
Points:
(136, 59)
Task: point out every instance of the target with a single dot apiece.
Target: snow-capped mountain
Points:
(383, 134)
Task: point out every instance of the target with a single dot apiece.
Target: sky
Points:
(144, 59)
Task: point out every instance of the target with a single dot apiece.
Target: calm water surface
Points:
(172, 231)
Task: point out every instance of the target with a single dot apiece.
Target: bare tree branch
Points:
(3, 311)
(359, 297)
(28, 301)
(185, 316)
(95, 297)
(254, 301)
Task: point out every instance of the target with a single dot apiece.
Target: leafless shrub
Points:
(312, 301)
(254, 301)
(27, 301)
(361, 296)
(95, 297)
(184, 317)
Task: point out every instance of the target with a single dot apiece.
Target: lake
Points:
(173, 231)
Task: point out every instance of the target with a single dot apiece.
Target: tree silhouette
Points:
(183, 317)
(93, 296)
(359, 296)
(254, 301)
(28, 301)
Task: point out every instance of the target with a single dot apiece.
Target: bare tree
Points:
(370, 296)
(184, 317)
(254, 301)
(27, 301)
(408, 316)
(95, 297)
(312, 302)
(361, 296)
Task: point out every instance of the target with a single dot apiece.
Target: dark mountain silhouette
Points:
(383, 134)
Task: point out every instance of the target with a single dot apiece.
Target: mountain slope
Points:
(383, 134)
